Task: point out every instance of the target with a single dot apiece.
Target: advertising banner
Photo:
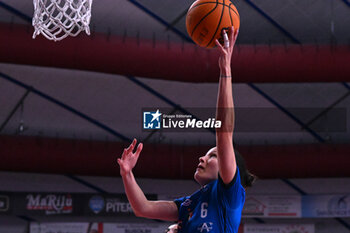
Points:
(58, 227)
(282, 206)
(46, 204)
(326, 206)
(135, 227)
(66, 204)
(279, 228)
(82, 204)
(110, 205)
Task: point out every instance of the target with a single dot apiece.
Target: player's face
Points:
(172, 229)
(208, 168)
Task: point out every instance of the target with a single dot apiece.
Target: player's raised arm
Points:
(225, 110)
(163, 210)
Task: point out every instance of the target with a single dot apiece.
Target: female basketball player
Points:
(217, 206)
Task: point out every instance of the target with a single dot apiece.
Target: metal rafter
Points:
(161, 20)
(273, 22)
(177, 19)
(347, 2)
(330, 107)
(19, 103)
(346, 85)
(64, 106)
(84, 182)
(293, 117)
(15, 12)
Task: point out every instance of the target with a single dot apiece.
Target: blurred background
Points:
(68, 108)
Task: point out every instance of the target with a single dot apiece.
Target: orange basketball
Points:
(206, 19)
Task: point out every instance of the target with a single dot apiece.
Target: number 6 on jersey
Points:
(204, 210)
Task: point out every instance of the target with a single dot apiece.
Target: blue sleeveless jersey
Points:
(216, 208)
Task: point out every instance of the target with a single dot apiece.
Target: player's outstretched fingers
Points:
(219, 45)
(124, 153)
(235, 35)
(231, 31)
(131, 147)
(226, 40)
(138, 150)
(134, 142)
(119, 161)
(232, 37)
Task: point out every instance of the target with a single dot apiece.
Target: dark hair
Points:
(247, 178)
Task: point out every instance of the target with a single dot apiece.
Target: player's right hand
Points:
(226, 52)
(129, 159)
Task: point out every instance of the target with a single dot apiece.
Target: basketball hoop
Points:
(57, 19)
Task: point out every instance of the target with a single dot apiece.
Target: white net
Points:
(57, 19)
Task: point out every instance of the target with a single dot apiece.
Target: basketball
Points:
(206, 19)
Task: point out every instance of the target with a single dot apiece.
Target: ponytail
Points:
(247, 178)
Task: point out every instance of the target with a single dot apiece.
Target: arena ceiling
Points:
(59, 102)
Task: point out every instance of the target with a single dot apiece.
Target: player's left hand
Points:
(129, 159)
